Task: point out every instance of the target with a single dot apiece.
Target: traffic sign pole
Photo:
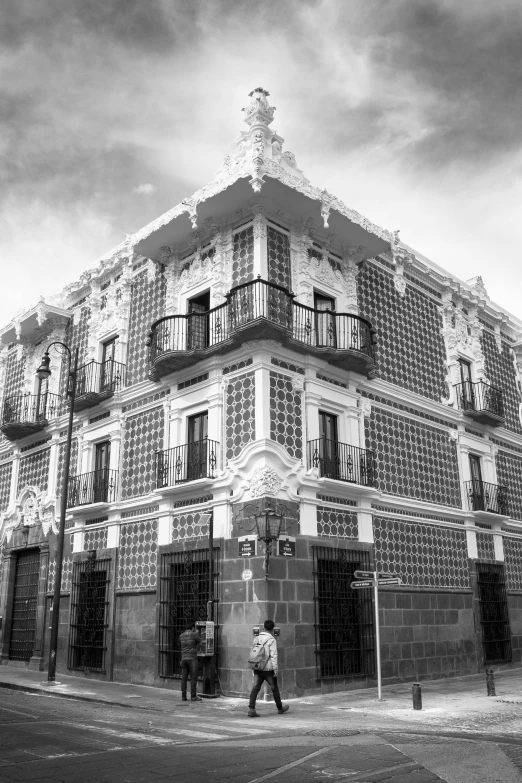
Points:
(377, 637)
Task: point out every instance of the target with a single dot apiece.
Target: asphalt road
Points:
(44, 739)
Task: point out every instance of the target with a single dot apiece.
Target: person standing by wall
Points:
(189, 640)
(265, 670)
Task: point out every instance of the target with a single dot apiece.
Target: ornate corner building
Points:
(264, 348)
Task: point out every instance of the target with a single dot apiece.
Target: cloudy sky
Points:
(112, 111)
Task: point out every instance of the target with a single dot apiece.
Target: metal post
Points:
(490, 681)
(377, 635)
(71, 393)
(417, 696)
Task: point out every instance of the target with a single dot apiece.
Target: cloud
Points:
(146, 189)
(405, 110)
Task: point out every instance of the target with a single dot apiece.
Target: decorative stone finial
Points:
(258, 109)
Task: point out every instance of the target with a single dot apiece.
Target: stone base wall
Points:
(135, 658)
(426, 635)
(515, 619)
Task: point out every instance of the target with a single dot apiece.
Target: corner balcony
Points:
(26, 414)
(342, 462)
(189, 462)
(99, 486)
(491, 498)
(259, 311)
(481, 402)
(96, 382)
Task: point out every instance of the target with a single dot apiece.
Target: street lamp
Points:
(43, 373)
(268, 524)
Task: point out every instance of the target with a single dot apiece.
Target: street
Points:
(352, 737)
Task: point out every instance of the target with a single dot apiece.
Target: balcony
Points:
(185, 463)
(492, 498)
(260, 310)
(96, 382)
(26, 414)
(481, 402)
(342, 462)
(99, 486)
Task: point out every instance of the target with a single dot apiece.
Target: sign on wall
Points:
(286, 546)
(247, 546)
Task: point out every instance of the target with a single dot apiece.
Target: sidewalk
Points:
(455, 696)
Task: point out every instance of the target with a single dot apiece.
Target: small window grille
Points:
(89, 609)
(344, 631)
(183, 598)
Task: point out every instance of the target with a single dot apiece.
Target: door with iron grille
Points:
(494, 615)
(325, 320)
(184, 592)
(25, 599)
(108, 366)
(197, 449)
(89, 607)
(197, 322)
(343, 617)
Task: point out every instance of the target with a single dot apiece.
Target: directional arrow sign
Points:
(364, 574)
(395, 581)
(384, 575)
(355, 585)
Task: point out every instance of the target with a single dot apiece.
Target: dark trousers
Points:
(271, 679)
(189, 667)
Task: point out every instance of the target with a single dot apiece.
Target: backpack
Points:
(259, 655)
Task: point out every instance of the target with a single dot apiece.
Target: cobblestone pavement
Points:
(46, 739)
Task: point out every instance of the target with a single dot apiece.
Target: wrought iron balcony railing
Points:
(99, 486)
(259, 309)
(25, 414)
(341, 461)
(96, 381)
(480, 401)
(186, 463)
(487, 497)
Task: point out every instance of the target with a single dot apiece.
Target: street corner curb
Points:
(75, 696)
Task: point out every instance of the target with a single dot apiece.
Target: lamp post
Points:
(43, 372)
(268, 524)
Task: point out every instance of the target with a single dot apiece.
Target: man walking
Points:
(189, 661)
(268, 673)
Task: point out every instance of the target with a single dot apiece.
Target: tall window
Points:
(197, 448)
(197, 322)
(467, 393)
(109, 366)
(325, 320)
(102, 459)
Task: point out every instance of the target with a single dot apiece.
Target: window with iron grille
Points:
(344, 634)
(494, 616)
(89, 605)
(184, 592)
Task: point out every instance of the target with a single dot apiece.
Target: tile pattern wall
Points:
(186, 525)
(14, 374)
(34, 471)
(485, 546)
(143, 436)
(147, 304)
(509, 473)
(6, 472)
(241, 414)
(66, 575)
(95, 539)
(76, 336)
(138, 554)
(334, 523)
(422, 555)
(410, 347)
(500, 371)
(513, 561)
(243, 256)
(413, 459)
(61, 462)
(286, 426)
(278, 255)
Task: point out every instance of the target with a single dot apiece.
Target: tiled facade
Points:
(265, 418)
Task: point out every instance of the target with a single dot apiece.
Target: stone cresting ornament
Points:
(264, 481)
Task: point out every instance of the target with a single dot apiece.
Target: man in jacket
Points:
(189, 661)
(268, 674)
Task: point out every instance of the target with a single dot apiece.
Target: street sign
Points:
(247, 546)
(384, 575)
(246, 574)
(364, 574)
(396, 581)
(286, 546)
(355, 585)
